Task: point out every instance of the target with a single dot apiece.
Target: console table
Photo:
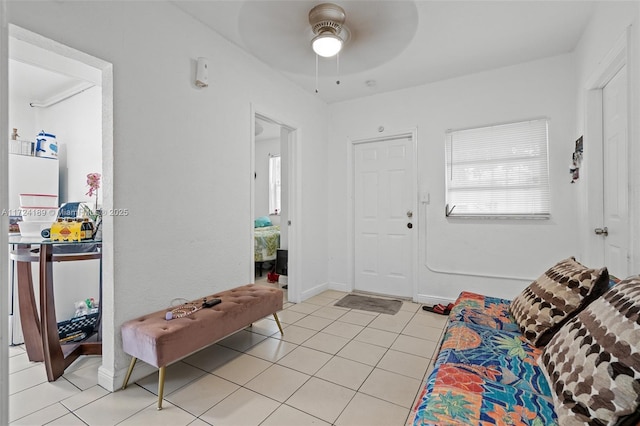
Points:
(40, 330)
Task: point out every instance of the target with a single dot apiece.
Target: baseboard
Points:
(113, 381)
(106, 378)
(314, 291)
(340, 287)
(430, 300)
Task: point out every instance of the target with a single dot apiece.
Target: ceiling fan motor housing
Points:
(327, 17)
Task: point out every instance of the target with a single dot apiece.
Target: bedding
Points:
(267, 243)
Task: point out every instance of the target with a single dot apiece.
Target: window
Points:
(274, 185)
(498, 171)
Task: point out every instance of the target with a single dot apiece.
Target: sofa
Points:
(565, 351)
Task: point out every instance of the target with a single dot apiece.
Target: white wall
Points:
(77, 124)
(181, 155)
(465, 250)
(263, 149)
(22, 117)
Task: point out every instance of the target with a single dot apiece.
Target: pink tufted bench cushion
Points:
(159, 342)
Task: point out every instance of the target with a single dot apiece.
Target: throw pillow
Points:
(555, 297)
(262, 221)
(593, 362)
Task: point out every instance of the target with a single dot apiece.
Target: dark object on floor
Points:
(286, 286)
(373, 304)
(282, 261)
(272, 277)
(439, 309)
(260, 265)
(76, 329)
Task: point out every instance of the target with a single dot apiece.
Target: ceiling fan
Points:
(367, 34)
(327, 23)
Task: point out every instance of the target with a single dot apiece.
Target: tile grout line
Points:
(332, 320)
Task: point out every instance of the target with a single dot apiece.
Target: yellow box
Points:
(66, 230)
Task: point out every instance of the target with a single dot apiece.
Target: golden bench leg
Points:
(160, 387)
(128, 376)
(275, 316)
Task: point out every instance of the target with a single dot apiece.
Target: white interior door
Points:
(384, 206)
(616, 203)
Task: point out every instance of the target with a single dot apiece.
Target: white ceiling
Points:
(36, 84)
(39, 75)
(397, 43)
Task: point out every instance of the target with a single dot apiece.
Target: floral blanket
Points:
(267, 243)
(486, 372)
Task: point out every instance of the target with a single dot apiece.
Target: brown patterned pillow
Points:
(554, 298)
(593, 362)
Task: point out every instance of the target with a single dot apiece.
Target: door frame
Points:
(613, 62)
(351, 158)
(292, 169)
(4, 225)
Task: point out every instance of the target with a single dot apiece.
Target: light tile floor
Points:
(332, 366)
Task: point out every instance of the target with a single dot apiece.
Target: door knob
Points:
(602, 231)
(409, 213)
(409, 225)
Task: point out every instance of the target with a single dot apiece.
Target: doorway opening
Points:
(61, 91)
(273, 151)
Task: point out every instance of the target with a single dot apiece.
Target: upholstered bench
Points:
(160, 342)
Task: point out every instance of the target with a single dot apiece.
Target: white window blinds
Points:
(498, 171)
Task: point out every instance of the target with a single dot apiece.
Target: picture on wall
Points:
(576, 160)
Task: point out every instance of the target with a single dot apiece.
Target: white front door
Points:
(385, 220)
(616, 200)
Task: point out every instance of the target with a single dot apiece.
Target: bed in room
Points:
(266, 243)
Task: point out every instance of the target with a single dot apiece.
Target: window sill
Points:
(501, 217)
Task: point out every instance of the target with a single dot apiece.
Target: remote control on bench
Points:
(210, 303)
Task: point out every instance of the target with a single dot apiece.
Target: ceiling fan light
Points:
(326, 44)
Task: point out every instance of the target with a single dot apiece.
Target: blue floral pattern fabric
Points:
(454, 396)
(486, 372)
(483, 310)
(500, 356)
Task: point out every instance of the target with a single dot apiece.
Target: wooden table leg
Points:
(53, 357)
(29, 317)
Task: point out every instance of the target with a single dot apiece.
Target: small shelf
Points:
(25, 148)
(22, 147)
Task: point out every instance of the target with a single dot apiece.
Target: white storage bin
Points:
(39, 200)
(33, 228)
(39, 214)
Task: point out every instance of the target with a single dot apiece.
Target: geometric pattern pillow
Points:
(554, 298)
(593, 362)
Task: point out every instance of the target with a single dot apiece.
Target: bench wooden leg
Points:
(275, 316)
(128, 376)
(161, 387)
